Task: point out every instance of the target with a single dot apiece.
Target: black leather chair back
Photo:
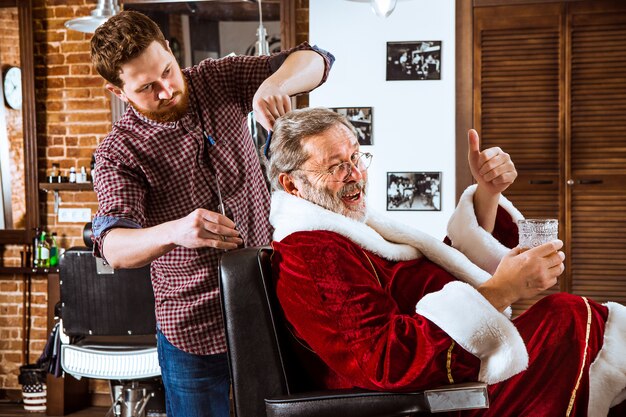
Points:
(98, 301)
(248, 296)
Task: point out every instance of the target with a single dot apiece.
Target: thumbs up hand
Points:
(492, 168)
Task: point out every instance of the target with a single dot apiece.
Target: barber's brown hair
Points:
(120, 39)
(286, 152)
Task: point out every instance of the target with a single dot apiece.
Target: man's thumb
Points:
(473, 140)
(474, 147)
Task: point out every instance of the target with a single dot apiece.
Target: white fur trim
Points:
(471, 239)
(465, 315)
(607, 373)
(380, 235)
(290, 214)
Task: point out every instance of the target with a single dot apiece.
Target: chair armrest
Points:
(361, 403)
(345, 403)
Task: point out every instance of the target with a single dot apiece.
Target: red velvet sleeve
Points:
(505, 230)
(334, 301)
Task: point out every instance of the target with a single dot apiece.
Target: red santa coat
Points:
(382, 306)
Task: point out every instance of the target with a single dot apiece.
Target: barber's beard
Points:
(168, 114)
(323, 197)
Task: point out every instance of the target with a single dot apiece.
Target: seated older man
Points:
(380, 305)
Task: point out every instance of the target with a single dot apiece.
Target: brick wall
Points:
(73, 115)
(12, 287)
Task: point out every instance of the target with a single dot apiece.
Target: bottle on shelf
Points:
(34, 251)
(43, 252)
(82, 175)
(72, 174)
(55, 174)
(54, 250)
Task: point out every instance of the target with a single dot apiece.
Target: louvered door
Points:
(517, 97)
(550, 89)
(597, 172)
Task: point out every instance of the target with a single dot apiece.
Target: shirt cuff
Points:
(101, 225)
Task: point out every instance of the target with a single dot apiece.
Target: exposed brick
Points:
(57, 129)
(71, 141)
(85, 196)
(78, 58)
(54, 70)
(83, 82)
(88, 129)
(69, 47)
(55, 151)
(9, 286)
(56, 36)
(80, 70)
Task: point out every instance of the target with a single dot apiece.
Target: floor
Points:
(13, 409)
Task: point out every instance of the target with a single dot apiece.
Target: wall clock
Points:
(13, 87)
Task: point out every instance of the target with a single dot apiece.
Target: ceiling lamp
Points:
(102, 12)
(382, 8)
(262, 46)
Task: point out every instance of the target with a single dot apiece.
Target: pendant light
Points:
(382, 8)
(88, 24)
(262, 46)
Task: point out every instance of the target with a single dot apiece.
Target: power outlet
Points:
(74, 215)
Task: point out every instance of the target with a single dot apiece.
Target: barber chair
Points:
(265, 373)
(108, 331)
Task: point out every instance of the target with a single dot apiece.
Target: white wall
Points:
(414, 121)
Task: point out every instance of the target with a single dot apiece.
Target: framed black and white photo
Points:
(416, 60)
(361, 119)
(413, 191)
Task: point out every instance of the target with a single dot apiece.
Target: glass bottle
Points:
(43, 252)
(54, 250)
(35, 252)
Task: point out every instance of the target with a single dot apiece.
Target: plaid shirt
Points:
(148, 173)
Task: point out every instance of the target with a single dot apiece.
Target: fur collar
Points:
(381, 235)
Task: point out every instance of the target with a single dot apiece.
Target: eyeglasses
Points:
(341, 172)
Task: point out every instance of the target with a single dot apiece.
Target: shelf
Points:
(4, 270)
(66, 186)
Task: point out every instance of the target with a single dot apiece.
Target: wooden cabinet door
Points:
(518, 96)
(597, 150)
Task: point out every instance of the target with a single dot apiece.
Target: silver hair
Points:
(286, 152)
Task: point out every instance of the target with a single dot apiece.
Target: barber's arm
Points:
(133, 248)
(302, 71)
(494, 172)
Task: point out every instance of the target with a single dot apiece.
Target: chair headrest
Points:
(88, 235)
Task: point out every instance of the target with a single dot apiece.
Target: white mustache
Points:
(352, 188)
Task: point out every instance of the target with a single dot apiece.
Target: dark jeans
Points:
(195, 385)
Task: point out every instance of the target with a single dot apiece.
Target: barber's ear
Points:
(117, 91)
(288, 184)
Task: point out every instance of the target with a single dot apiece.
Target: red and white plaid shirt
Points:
(148, 173)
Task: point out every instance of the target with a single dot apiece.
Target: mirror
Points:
(18, 161)
(212, 29)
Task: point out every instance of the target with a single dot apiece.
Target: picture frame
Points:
(361, 118)
(414, 60)
(414, 191)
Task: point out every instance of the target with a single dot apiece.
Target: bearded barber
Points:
(178, 182)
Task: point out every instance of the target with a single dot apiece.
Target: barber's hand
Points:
(204, 228)
(269, 103)
(524, 274)
(492, 168)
